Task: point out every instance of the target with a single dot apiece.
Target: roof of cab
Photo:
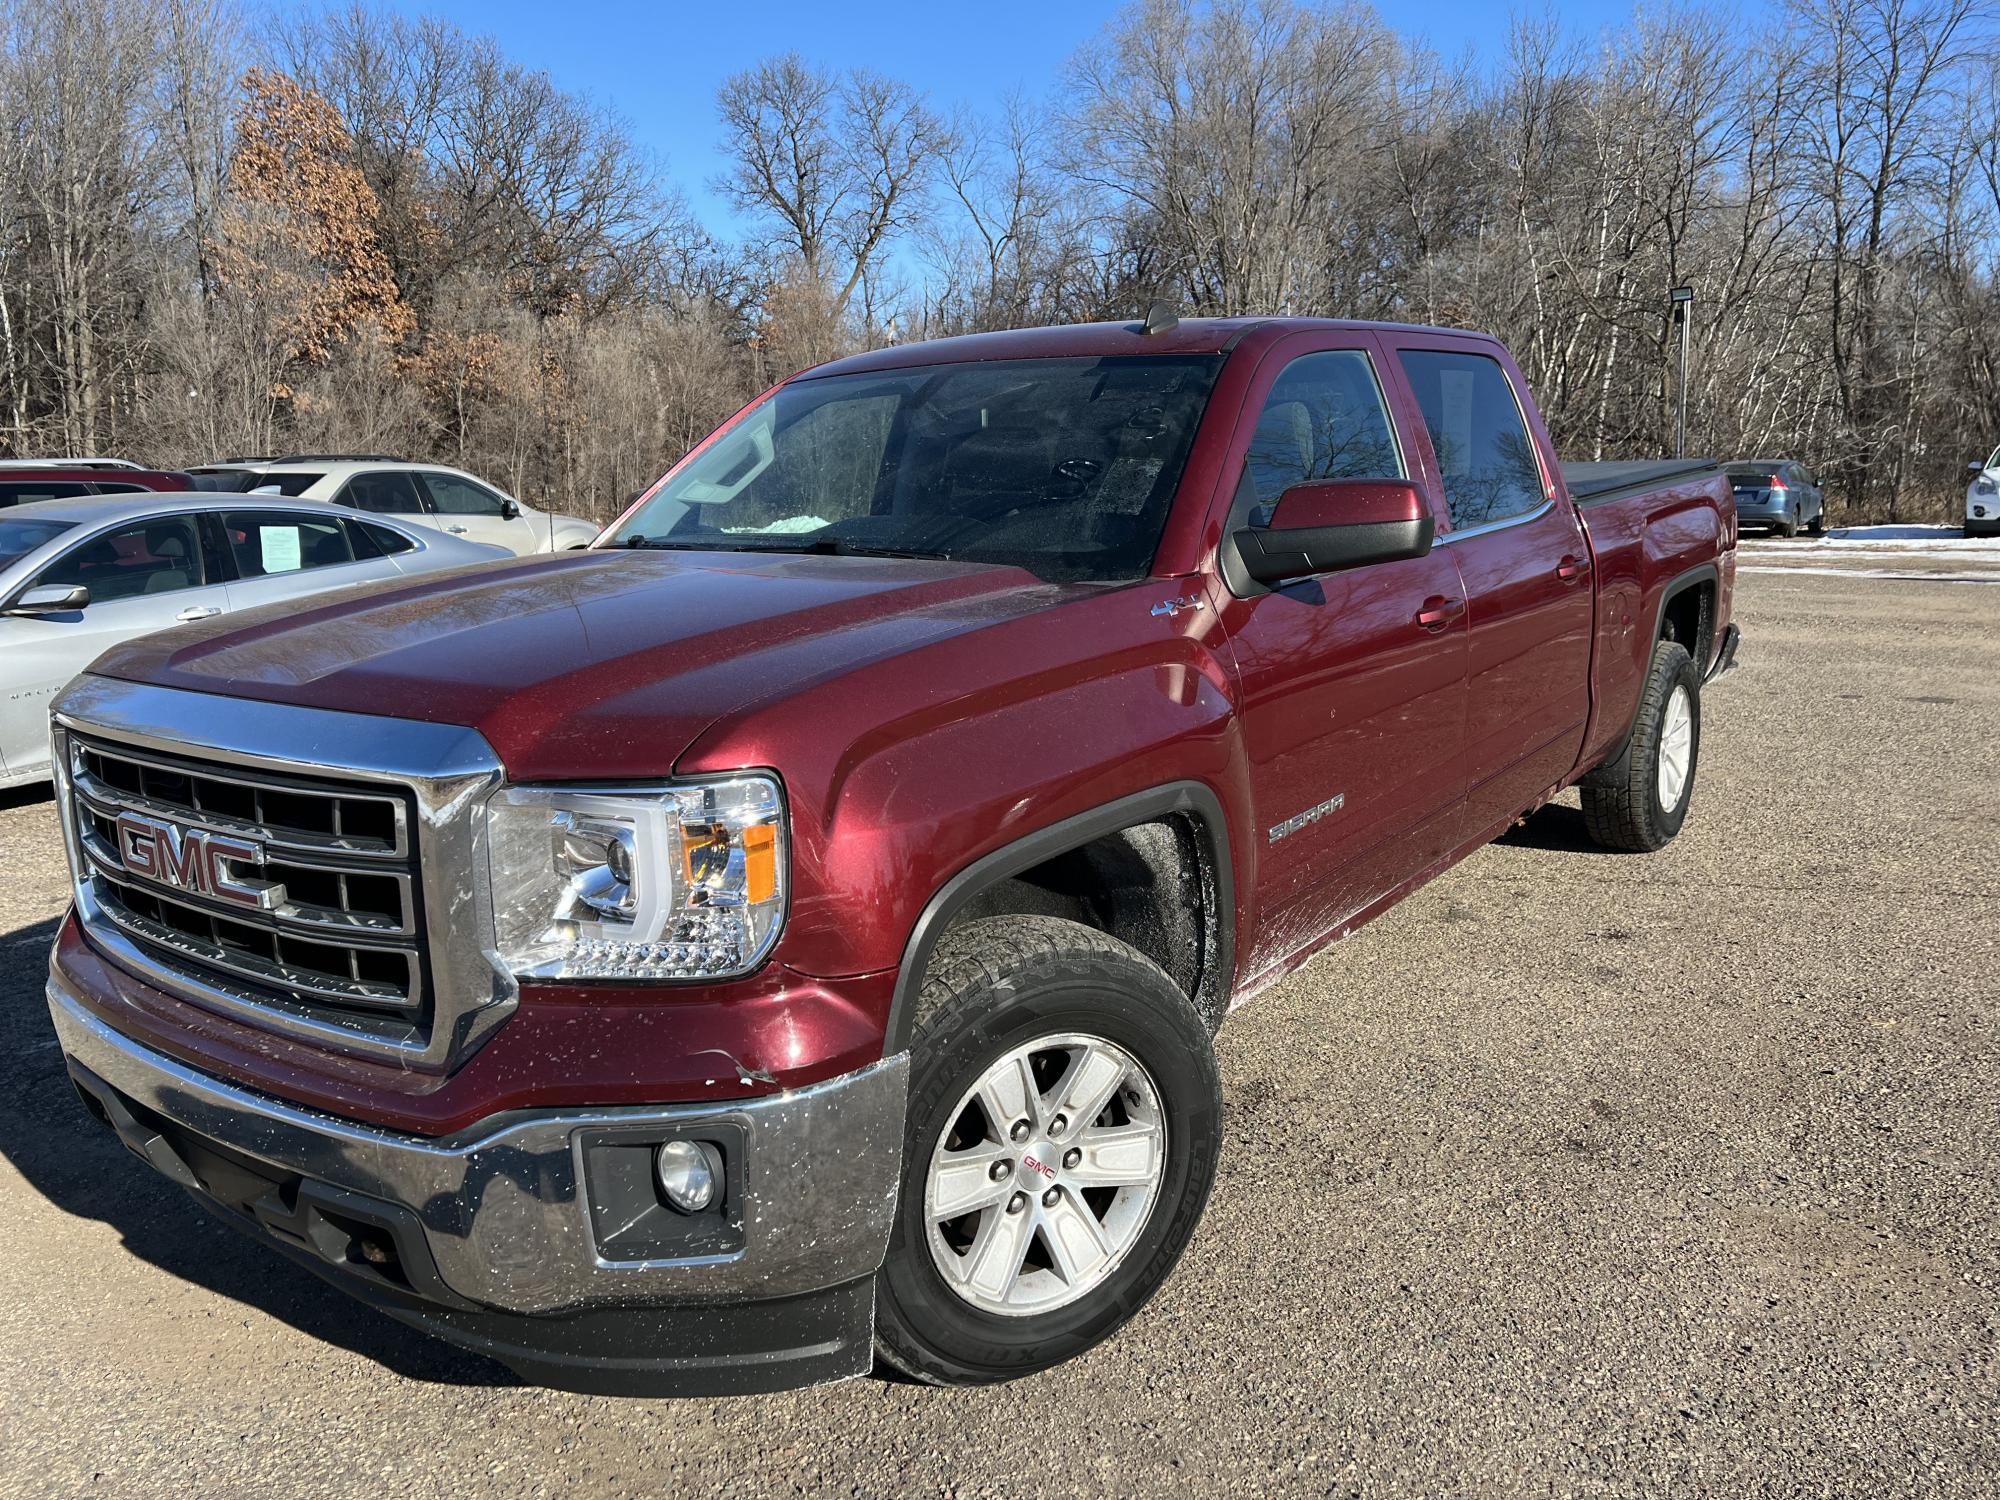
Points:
(1098, 340)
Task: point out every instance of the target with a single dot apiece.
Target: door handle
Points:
(198, 612)
(1572, 568)
(1439, 612)
(456, 530)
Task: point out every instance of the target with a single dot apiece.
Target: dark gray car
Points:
(1779, 493)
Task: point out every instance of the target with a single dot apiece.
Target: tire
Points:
(1790, 527)
(1817, 525)
(1624, 803)
(998, 988)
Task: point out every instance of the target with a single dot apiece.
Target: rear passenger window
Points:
(388, 492)
(386, 543)
(27, 491)
(1484, 456)
(266, 544)
(1324, 419)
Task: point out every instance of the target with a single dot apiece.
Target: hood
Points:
(586, 665)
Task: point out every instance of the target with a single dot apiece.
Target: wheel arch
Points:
(1091, 841)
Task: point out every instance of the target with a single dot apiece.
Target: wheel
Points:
(1817, 525)
(1063, 1126)
(1790, 525)
(1639, 800)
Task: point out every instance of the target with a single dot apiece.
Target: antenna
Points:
(1160, 318)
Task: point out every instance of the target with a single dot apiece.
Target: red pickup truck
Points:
(791, 934)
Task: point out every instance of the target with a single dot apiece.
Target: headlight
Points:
(1985, 487)
(673, 882)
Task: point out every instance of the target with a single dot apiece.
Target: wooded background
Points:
(222, 233)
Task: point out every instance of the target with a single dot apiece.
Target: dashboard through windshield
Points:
(1064, 467)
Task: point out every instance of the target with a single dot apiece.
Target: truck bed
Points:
(1590, 483)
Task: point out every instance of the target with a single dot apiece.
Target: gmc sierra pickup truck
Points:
(791, 934)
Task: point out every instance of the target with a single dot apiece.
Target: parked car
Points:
(794, 929)
(422, 494)
(1982, 498)
(80, 575)
(1778, 493)
(21, 484)
(69, 463)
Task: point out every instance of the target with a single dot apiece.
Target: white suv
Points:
(1982, 498)
(422, 494)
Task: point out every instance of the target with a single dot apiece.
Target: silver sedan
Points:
(79, 576)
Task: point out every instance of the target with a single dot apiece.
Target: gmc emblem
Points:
(191, 859)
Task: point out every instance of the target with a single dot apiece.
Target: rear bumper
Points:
(537, 1237)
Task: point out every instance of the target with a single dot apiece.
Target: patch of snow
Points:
(1865, 541)
(1889, 573)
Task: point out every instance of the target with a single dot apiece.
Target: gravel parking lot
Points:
(1576, 1173)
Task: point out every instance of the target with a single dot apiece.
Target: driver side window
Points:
(154, 557)
(452, 496)
(1324, 419)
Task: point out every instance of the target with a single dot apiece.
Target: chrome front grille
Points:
(344, 929)
(320, 874)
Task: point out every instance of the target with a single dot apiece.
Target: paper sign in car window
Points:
(281, 548)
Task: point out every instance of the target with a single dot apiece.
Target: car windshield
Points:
(19, 537)
(1065, 467)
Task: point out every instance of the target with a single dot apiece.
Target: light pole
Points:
(1681, 299)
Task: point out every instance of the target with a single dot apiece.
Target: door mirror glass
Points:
(51, 599)
(1337, 523)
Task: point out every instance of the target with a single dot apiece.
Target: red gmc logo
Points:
(191, 859)
(1042, 1167)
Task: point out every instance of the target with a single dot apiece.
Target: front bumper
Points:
(531, 1237)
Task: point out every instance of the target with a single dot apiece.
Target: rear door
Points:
(469, 509)
(142, 577)
(1525, 564)
(287, 554)
(1352, 707)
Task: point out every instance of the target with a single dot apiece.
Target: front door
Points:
(478, 514)
(1525, 563)
(1352, 684)
(143, 577)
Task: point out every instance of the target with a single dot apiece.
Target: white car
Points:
(1982, 498)
(422, 494)
(79, 576)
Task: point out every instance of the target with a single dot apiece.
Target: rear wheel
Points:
(1639, 801)
(1064, 1121)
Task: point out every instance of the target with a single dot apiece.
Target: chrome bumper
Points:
(503, 1208)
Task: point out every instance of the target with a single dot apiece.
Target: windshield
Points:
(1065, 467)
(20, 537)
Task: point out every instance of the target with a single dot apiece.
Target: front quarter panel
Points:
(903, 773)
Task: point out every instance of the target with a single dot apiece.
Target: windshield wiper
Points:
(825, 546)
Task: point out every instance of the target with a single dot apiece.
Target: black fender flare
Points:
(1694, 577)
(1191, 799)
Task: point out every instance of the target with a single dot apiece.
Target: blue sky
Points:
(658, 65)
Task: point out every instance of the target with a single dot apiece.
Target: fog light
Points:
(690, 1174)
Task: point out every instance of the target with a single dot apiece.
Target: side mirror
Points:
(1337, 523)
(1976, 467)
(51, 599)
(510, 510)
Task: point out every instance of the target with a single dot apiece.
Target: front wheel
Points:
(1639, 800)
(1064, 1121)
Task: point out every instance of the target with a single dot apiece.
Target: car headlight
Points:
(1985, 487)
(683, 881)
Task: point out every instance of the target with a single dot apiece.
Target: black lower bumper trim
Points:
(375, 1252)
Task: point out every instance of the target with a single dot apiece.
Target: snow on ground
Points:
(1931, 554)
(1945, 541)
